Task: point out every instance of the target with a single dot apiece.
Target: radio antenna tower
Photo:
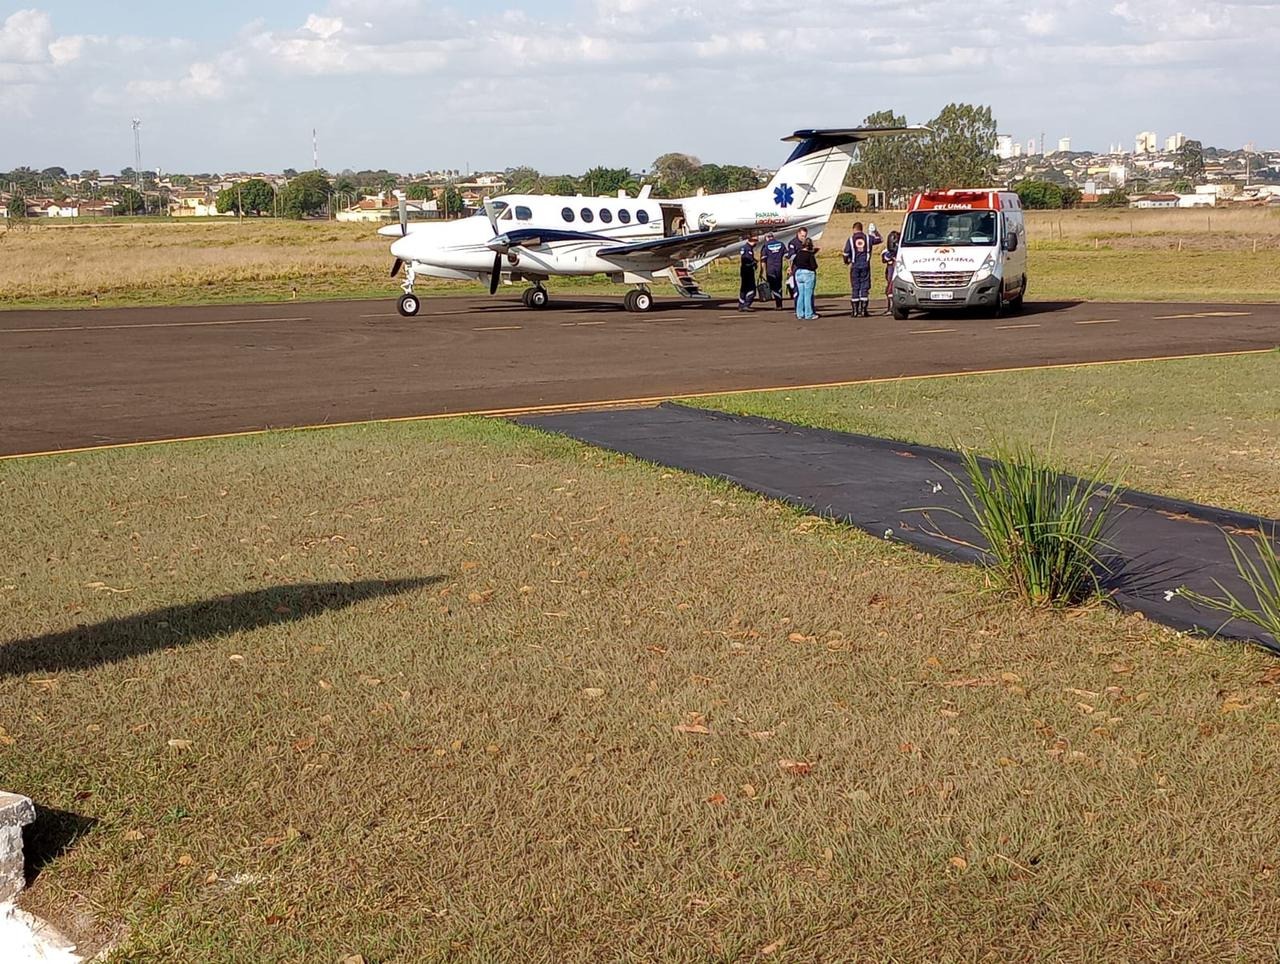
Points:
(137, 153)
(315, 151)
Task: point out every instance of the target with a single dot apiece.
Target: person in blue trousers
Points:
(805, 263)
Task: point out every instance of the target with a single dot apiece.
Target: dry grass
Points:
(568, 747)
(1075, 254)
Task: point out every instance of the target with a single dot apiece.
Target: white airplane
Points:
(633, 241)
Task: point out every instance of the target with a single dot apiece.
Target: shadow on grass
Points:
(51, 835)
(85, 647)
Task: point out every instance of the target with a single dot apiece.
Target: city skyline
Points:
(416, 85)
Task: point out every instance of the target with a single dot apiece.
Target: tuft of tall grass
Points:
(1262, 578)
(1044, 532)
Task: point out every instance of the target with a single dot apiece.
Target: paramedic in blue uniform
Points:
(857, 255)
(747, 275)
(772, 254)
(793, 248)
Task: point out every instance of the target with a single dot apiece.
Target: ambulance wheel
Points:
(900, 313)
(1016, 304)
(408, 305)
(538, 298)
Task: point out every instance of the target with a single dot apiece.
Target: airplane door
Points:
(673, 220)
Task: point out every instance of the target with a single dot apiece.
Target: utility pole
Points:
(137, 154)
(315, 151)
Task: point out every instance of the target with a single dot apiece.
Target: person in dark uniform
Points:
(857, 255)
(889, 257)
(747, 274)
(793, 248)
(772, 254)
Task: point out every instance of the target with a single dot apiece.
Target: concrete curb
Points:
(15, 813)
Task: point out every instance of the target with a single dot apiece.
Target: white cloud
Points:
(25, 37)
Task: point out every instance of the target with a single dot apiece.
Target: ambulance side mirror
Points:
(1011, 241)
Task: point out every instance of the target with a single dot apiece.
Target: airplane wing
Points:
(681, 247)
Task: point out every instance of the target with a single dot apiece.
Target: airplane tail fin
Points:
(812, 176)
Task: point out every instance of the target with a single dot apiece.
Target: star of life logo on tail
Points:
(784, 195)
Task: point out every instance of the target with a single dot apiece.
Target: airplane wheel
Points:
(538, 298)
(524, 296)
(641, 300)
(408, 305)
(629, 300)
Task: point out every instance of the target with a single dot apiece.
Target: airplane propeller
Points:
(491, 214)
(404, 229)
(495, 276)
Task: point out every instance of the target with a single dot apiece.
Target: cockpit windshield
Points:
(956, 228)
(501, 211)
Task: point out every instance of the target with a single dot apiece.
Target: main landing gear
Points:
(638, 299)
(535, 298)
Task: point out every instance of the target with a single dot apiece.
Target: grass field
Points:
(456, 690)
(1126, 255)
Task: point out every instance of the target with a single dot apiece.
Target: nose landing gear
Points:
(408, 305)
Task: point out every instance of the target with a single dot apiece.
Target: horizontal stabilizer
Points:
(851, 135)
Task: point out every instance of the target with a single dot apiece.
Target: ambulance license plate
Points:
(942, 295)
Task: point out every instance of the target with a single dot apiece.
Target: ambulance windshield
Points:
(932, 228)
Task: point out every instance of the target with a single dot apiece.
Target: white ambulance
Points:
(961, 249)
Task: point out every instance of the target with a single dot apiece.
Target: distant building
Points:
(1017, 148)
(193, 203)
(1197, 200)
(1064, 145)
(1174, 142)
(386, 207)
(1004, 146)
(1031, 146)
(1145, 143)
(1154, 201)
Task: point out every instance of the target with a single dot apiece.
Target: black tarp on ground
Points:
(874, 483)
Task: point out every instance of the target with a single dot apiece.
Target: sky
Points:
(563, 85)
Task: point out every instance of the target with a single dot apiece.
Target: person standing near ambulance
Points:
(889, 256)
(772, 254)
(857, 255)
(747, 274)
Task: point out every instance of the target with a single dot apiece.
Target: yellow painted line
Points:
(631, 402)
(158, 324)
(1099, 321)
(499, 328)
(931, 331)
(1205, 314)
(1013, 327)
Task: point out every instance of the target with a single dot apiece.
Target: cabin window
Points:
(606, 216)
(567, 214)
(624, 216)
(587, 216)
(523, 213)
(642, 216)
